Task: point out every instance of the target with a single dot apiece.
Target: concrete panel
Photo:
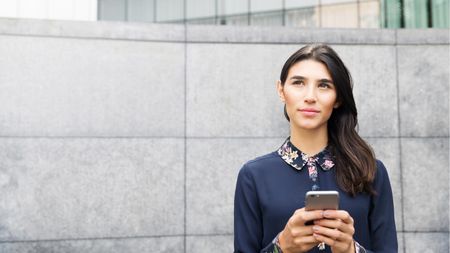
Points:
(67, 87)
(387, 150)
(255, 34)
(401, 244)
(426, 242)
(207, 244)
(375, 91)
(423, 36)
(424, 90)
(117, 245)
(212, 169)
(231, 90)
(99, 29)
(84, 188)
(425, 184)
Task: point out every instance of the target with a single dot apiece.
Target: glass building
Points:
(296, 13)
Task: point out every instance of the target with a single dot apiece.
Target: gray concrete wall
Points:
(121, 137)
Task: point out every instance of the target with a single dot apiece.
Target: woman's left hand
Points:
(336, 230)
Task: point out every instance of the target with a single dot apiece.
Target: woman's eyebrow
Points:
(324, 80)
(298, 77)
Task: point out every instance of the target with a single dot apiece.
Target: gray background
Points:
(126, 137)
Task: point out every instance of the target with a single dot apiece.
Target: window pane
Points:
(289, 4)
(202, 21)
(234, 20)
(8, 8)
(267, 19)
(141, 10)
(328, 2)
(112, 10)
(265, 5)
(58, 9)
(440, 12)
(171, 11)
(233, 7)
(32, 9)
(369, 14)
(85, 10)
(339, 15)
(302, 17)
(201, 8)
(415, 13)
(392, 13)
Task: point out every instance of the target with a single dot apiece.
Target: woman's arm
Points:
(247, 215)
(248, 229)
(383, 233)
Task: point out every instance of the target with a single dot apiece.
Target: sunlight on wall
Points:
(50, 9)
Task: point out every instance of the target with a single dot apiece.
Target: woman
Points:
(323, 152)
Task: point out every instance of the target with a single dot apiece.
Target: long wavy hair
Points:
(355, 159)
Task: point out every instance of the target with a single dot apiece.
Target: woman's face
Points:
(309, 94)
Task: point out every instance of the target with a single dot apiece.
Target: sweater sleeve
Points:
(248, 230)
(381, 217)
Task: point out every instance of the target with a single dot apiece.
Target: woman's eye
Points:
(298, 83)
(324, 85)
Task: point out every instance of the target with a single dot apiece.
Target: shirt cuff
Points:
(359, 248)
(273, 247)
(276, 243)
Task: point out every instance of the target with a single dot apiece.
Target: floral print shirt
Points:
(299, 160)
(270, 188)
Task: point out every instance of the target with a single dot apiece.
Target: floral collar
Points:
(297, 159)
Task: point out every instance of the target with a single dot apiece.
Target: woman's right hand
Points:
(297, 237)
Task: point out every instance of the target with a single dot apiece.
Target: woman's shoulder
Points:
(261, 162)
(260, 167)
(381, 169)
(382, 174)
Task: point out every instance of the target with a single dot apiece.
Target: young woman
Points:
(323, 152)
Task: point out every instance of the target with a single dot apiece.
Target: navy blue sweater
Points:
(269, 190)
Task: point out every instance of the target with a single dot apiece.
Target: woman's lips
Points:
(309, 112)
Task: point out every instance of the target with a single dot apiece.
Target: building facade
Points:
(305, 13)
(291, 13)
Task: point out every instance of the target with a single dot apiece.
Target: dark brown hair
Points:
(355, 160)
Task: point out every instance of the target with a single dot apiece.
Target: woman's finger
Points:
(332, 243)
(311, 239)
(298, 244)
(338, 214)
(301, 216)
(334, 234)
(336, 224)
(299, 231)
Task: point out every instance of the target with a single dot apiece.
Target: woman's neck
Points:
(308, 141)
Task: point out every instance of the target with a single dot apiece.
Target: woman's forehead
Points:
(309, 69)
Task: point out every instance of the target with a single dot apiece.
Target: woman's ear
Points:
(280, 91)
(336, 105)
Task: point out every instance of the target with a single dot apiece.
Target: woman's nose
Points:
(310, 96)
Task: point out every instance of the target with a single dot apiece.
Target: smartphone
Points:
(321, 200)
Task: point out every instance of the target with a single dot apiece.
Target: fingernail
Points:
(316, 228)
(326, 213)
